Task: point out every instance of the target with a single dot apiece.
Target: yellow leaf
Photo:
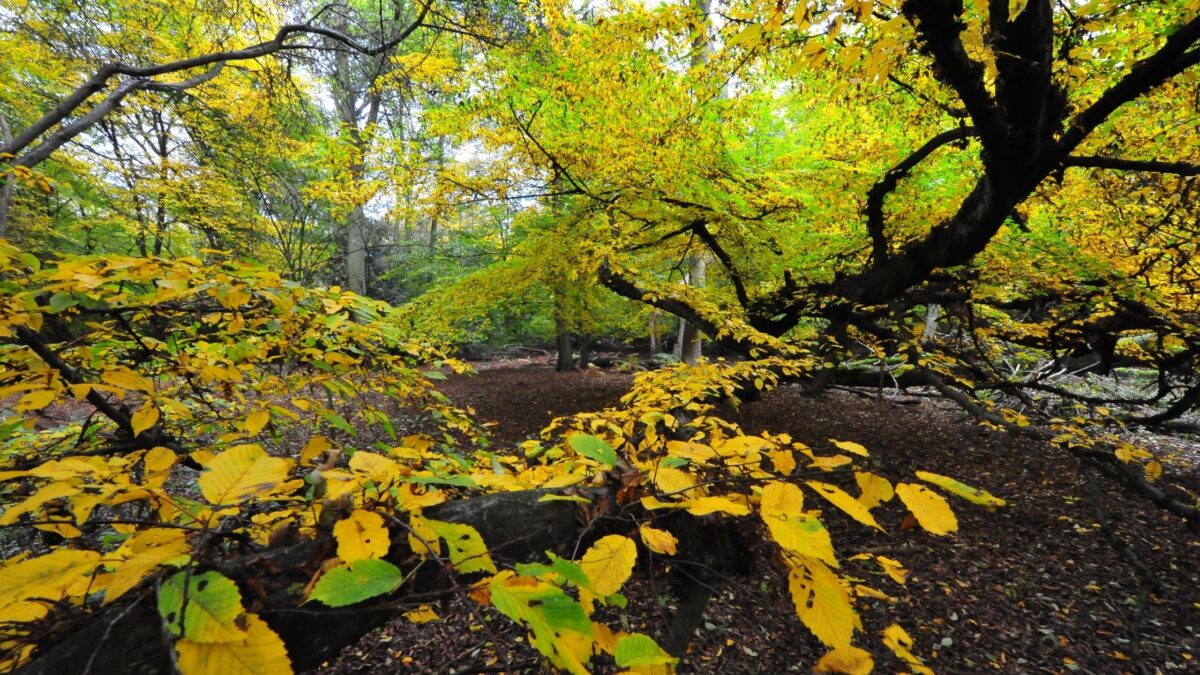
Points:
(127, 379)
(467, 551)
(1153, 470)
(240, 473)
(826, 463)
(35, 400)
(848, 660)
(971, 494)
(672, 481)
(609, 562)
(742, 445)
(142, 554)
(422, 614)
(781, 500)
(874, 489)
(929, 508)
(157, 465)
(375, 467)
(897, 639)
(256, 420)
(845, 502)
(793, 529)
(360, 536)
(145, 417)
(47, 578)
(314, 448)
(822, 603)
(702, 506)
(893, 569)
(260, 653)
(851, 447)
(696, 453)
(783, 461)
(659, 541)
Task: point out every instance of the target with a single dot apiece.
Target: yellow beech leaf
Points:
(851, 447)
(35, 400)
(314, 448)
(142, 554)
(893, 569)
(261, 652)
(696, 453)
(743, 445)
(829, 463)
(795, 531)
(845, 502)
(360, 536)
(1153, 470)
(375, 467)
(47, 577)
(157, 464)
(702, 506)
(466, 549)
(239, 473)
(256, 420)
(609, 562)
(874, 489)
(672, 481)
(929, 508)
(971, 494)
(784, 461)
(897, 639)
(848, 660)
(659, 541)
(145, 417)
(822, 603)
(127, 379)
(422, 614)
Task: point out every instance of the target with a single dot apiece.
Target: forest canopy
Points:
(241, 244)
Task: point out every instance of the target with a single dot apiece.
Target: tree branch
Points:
(1121, 164)
(141, 80)
(881, 189)
(939, 25)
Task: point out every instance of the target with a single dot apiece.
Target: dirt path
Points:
(1032, 588)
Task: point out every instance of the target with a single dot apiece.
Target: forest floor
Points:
(1030, 588)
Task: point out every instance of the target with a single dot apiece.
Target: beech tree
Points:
(972, 197)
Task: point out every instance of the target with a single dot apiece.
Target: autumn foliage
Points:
(969, 197)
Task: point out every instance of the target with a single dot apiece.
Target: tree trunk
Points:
(9, 181)
(690, 336)
(562, 340)
(356, 252)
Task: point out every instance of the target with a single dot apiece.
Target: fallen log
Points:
(130, 638)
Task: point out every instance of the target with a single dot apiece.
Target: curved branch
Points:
(886, 185)
(1171, 59)
(1121, 164)
(141, 75)
(739, 288)
(939, 25)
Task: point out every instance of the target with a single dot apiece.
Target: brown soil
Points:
(1031, 588)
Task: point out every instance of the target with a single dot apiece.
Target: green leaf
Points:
(347, 585)
(560, 628)
(566, 569)
(971, 494)
(594, 448)
(206, 611)
(61, 301)
(640, 650)
(434, 375)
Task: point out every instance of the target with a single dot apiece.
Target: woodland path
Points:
(1031, 588)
